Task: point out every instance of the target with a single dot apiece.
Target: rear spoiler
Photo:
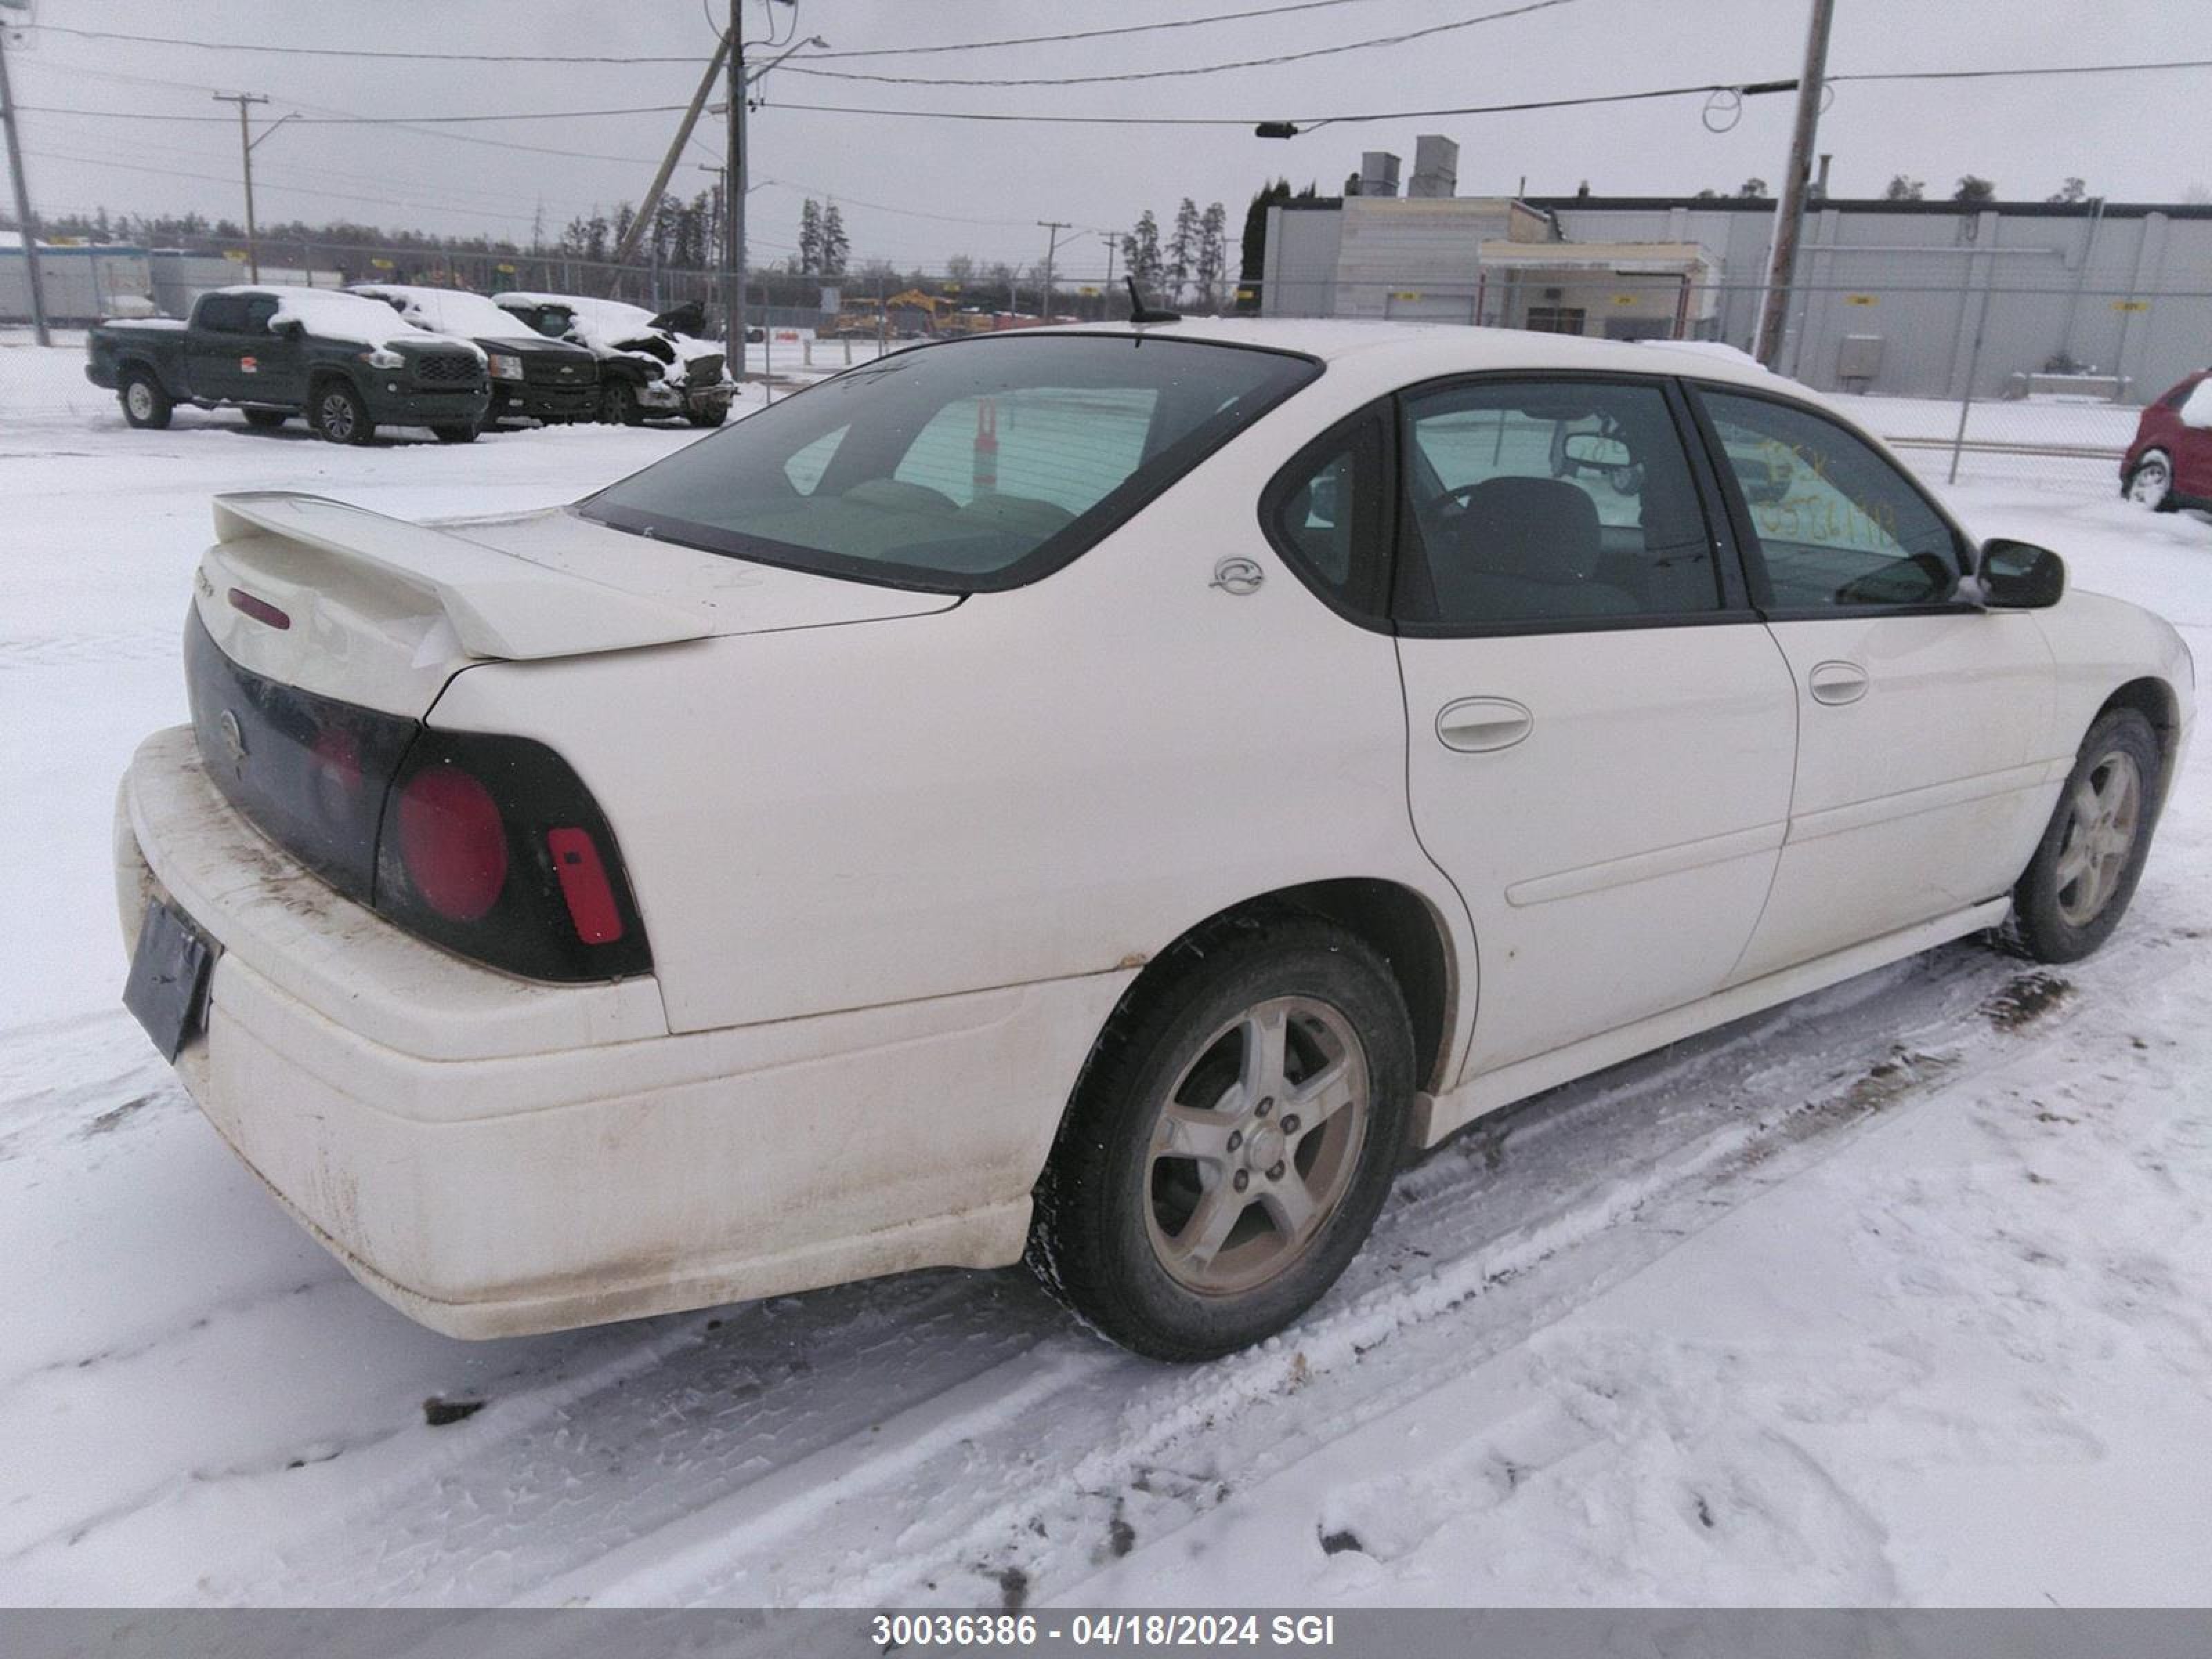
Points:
(498, 605)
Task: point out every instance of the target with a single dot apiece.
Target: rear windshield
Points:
(976, 465)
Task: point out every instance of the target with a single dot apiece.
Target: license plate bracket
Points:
(168, 983)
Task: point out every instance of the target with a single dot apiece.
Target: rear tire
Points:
(1230, 1140)
(2150, 481)
(144, 403)
(338, 415)
(2085, 870)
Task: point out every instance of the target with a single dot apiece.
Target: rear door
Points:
(1600, 733)
(222, 350)
(1920, 782)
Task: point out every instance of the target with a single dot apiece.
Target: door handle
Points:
(1836, 683)
(1475, 726)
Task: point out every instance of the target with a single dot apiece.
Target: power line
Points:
(342, 120)
(1200, 69)
(1090, 35)
(1309, 122)
(693, 58)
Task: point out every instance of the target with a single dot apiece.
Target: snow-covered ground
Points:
(1896, 1294)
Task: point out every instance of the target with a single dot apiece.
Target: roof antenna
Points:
(1141, 313)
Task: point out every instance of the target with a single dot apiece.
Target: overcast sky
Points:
(918, 191)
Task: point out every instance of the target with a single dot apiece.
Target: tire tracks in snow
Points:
(943, 1436)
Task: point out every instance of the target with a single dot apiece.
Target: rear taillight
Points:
(492, 846)
(452, 842)
(584, 884)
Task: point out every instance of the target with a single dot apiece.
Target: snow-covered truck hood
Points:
(381, 612)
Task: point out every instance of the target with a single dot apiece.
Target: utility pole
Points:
(1051, 246)
(246, 100)
(733, 204)
(1106, 294)
(659, 184)
(26, 225)
(1789, 211)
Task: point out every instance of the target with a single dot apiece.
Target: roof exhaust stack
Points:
(1378, 173)
(1436, 166)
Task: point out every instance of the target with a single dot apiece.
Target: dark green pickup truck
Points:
(349, 364)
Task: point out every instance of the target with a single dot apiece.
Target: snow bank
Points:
(333, 316)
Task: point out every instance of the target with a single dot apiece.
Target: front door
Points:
(1921, 785)
(1601, 733)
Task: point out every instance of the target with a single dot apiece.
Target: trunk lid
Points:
(380, 612)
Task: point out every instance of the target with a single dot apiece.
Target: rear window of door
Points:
(1549, 503)
(1834, 526)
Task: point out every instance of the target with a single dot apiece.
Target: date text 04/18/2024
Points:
(1141, 1631)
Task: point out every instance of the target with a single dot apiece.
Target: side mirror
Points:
(2020, 576)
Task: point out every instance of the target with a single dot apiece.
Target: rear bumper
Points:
(495, 1158)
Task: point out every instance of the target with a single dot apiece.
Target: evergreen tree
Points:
(1182, 251)
(1212, 254)
(810, 237)
(1140, 252)
(835, 249)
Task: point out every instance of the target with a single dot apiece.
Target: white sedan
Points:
(1106, 795)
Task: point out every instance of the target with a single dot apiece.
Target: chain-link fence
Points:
(1980, 379)
(1987, 381)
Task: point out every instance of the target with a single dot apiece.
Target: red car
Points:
(2170, 462)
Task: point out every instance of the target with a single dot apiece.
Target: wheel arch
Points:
(1405, 928)
(2154, 699)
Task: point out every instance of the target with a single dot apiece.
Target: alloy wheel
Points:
(2104, 817)
(1256, 1146)
(338, 417)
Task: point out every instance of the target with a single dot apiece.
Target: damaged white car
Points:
(1107, 795)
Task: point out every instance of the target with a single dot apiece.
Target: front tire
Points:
(711, 414)
(1230, 1140)
(2085, 869)
(144, 403)
(2151, 482)
(618, 405)
(339, 416)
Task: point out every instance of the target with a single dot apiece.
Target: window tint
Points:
(260, 312)
(1835, 525)
(963, 467)
(1326, 513)
(1534, 501)
(222, 314)
(1064, 445)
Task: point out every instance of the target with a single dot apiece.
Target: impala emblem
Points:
(232, 738)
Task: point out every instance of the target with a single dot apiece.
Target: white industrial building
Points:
(1923, 299)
